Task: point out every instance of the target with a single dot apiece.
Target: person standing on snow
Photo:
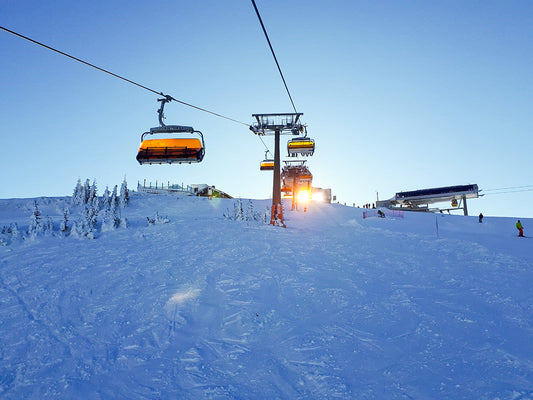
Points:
(480, 218)
(520, 229)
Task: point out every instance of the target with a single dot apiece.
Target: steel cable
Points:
(121, 77)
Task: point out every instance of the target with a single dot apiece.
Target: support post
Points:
(276, 217)
(464, 206)
(294, 191)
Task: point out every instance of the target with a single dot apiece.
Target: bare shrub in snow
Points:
(8, 234)
(239, 214)
(158, 219)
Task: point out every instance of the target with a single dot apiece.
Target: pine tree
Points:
(267, 216)
(86, 191)
(48, 226)
(63, 227)
(235, 215)
(91, 218)
(124, 194)
(111, 219)
(123, 222)
(114, 197)
(114, 206)
(14, 230)
(93, 196)
(108, 222)
(241, 216)
(106, 198)
(78, 196)
(77, 229)
(35, 227)
(250, 215)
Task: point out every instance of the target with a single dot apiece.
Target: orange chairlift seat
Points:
(306, 176)
(170, 150)
(267, 165)
(301, 145)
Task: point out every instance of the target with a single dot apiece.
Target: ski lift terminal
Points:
(419, 200)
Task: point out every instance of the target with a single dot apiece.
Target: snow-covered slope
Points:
(202, 307)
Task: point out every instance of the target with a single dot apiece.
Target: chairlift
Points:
(301, 145)
(287, 191)
(170, 150)
(267, 164)
(306, 176)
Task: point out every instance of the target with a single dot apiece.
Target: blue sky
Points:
(399, 95)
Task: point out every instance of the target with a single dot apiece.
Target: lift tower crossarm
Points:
(286, 123)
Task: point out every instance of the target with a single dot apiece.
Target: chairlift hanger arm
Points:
(167, 99)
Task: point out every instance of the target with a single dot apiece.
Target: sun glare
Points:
(304, 196)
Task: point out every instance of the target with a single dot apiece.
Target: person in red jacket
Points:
(520, 228)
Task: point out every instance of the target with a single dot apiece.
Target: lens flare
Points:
(304, 196)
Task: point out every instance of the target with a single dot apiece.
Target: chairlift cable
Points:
(121, 77)
(266, 147)
(511, 191)
(273, 54)
(508, 188)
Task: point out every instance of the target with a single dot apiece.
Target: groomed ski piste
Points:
(199, 306)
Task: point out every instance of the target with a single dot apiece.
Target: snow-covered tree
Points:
(78, 197)
(35, 227)
(106, 198)
(108, 222)
(93, 195)
(86, 191)
(78, 229)
(9, 233)
(124, 194)
(123, 202)
(113, 200)
(48, 226)
(111, 218)
(238, 212)
(267, 215)
(251, 215)
(64, 225)
(14, 230)
(91, 218)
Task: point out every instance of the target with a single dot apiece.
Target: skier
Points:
(480, 218)
(520, 229)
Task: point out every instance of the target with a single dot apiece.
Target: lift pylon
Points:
(277, 124)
